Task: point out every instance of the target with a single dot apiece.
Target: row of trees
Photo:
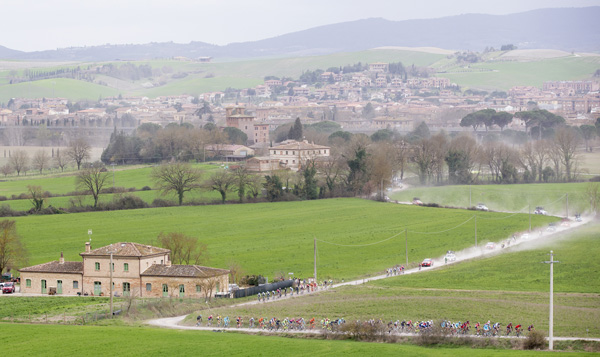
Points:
(152, 143)
(19, 161)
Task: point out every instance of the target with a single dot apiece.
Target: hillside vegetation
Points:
(276, 238)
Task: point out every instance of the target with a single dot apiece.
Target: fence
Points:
(262, 288)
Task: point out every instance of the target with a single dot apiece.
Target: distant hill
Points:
(567, 29)
(7, 53)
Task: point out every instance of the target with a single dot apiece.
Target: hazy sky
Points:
(31, 25)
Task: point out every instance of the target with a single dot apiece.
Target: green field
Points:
(26, 307)
(136, 341)
(508, 287)
(72, 89)
(271, 238)
(514, 198)
(504, 75)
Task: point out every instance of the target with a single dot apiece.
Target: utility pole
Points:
(315, 257)
(475, 231)
(406, 245)
(551, 323)
(470, 205)
(111, 283)
(530, 218)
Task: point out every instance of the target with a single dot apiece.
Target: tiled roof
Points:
(128, 250)
(299, 145)
(193, 271)
(55, 267)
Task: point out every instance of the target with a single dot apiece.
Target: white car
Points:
(481, 207)
(450, 257)
(490, 246)
(540, 210)
(525, 236)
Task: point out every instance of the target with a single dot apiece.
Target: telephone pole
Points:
(475, 231)
(406, 245)
(551, 323)
(315, 258)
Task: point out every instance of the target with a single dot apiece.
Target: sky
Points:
(35, 25)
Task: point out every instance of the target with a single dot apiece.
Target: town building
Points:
(137, 270)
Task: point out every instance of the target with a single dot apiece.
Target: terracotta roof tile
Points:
(194, 271)
(55, 267)
(127, 249)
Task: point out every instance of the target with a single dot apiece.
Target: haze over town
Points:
(66, 23)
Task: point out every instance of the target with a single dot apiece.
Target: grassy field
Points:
(24, 307)
(271, 238)
(61, 183)
(514, 198)
(136, 341)
(504, 75)
(508, 287)
(59, 87)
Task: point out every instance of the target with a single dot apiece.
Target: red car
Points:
(427, 263)
(8, 288)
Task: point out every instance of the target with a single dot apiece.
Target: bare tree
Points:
(19, 160)
(176, 177)
(592, 192)
(6, 170)
(41, 160)
(382, 160)
(565, 143)
(92, 180)
(37, 197)
(208, 286)
(332, 168)
(235, 271)
(254, 186)
(541, 156)
(60, 160)
(184, 249)
(222, 182)
(12, 252)
(79, 151)
(402, 157)
(423, 157)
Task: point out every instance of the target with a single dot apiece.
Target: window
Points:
(28, 283)
(148, 287)
(97, 266)
(75, 284)
(125, 266)
(293, 153)
(113, 266)
(198, 288)
(293, 161)
(126, 289)
(286, 152)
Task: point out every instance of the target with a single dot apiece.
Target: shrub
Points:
(6, 211)
(595, 179)
(125, 202)
(131, 189)
(146, 188)
(3, 198)
(158, 202)
(535, 340)
(113, 190)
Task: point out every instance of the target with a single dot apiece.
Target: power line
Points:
(444, 230)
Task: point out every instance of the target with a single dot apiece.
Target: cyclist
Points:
(210, 318)
(518, 330)
(530, 328)
(509, 328)
(198, 320)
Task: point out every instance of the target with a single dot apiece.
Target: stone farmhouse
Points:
(293, 154)
(138, 270)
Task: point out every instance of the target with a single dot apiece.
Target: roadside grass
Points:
(511, 287)
(277, 238)
(23, 307)
(522, 269)
(514, 198)
(145, 341)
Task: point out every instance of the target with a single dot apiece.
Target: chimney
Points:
(62, 259)
(88, 247)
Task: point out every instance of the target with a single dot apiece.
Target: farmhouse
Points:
(138, 269)
(293, 154)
